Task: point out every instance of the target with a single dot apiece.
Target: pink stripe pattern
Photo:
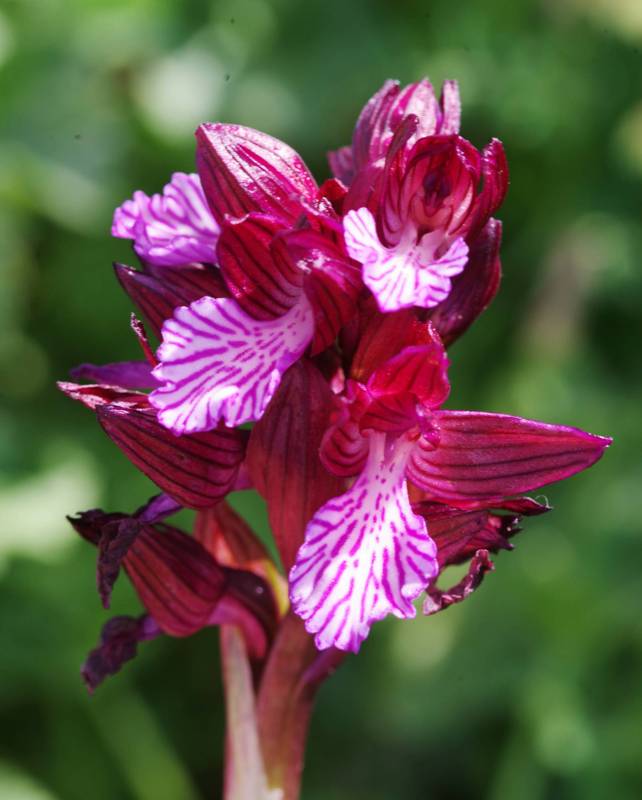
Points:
(218, 363)
(410, 273)
(366, 554)
(172, 228)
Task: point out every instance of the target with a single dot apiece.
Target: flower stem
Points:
(245, 777)
(291, 678)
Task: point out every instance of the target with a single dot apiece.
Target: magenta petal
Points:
(260, 276)
(244, 170)
(391, 105)
(473, 289)
(217, 363)
(372, 132)
(342, 164)
(484, 456)
(119, 641)
(174, 228)
(365, 555)
(124, 374)
(450, 107)
(157, 291)
(157, 509)
(438, 599)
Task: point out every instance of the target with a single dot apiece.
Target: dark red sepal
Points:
(119, 641)
(283, 456)
(243, 170)
(197, 470)
(439, 599)
(157, 291)
(472, 290)
(259, 275)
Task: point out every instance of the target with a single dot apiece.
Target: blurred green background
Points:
(530, 690)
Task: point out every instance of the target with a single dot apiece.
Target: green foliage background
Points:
(530, 690)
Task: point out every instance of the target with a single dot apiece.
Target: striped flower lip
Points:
(366, 554)
(219, 364)
(409, 273)
(172, 228)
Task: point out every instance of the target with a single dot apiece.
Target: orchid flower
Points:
(366, 553)
(415, 233)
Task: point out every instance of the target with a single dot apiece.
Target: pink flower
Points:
(368, 553)
(414, 234)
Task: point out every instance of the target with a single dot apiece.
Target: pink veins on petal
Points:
(409, 273)
(172, 228)
(218, 363)
(365, 555)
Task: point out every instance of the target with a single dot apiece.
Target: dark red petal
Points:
(495, 185)
(124, 374)
(283, 456)
(243, 170)
(119, 640)
(90, 524)
(177, 580)
(114, 544)
(118, 537)
(185, 589)
(420, 370)
(472, 290)
(263, 281)
(197, 470)
(393, 413)
(114, 534)
(157, 291)
(344, 449)
(332, 282)
(385, 335)
(490, 456)
(437, 599)
(334, 191)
